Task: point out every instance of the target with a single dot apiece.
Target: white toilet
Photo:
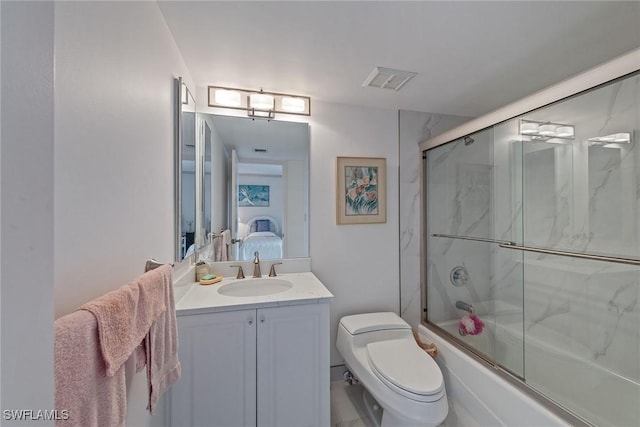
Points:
(379, 350)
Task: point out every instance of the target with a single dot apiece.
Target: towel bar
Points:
(152, 264)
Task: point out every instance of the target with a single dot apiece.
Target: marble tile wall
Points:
(414, 127)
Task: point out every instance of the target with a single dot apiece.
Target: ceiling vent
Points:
(388, 78)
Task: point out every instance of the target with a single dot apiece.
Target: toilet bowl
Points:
(379, 350)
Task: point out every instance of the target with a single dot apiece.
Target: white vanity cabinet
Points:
(264, 367)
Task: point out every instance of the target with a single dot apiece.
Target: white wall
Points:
(27, 206)
(295, 242)
(115, 65)
(357, 263)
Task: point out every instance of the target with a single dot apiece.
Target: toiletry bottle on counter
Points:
(202, 269)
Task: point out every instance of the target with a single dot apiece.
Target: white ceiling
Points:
(282, 140)
(471, 57)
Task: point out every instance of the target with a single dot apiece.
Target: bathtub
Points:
(552, 364)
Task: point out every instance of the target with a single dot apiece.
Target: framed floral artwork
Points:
(361, 196)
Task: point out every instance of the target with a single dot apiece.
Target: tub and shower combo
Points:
(531, 222)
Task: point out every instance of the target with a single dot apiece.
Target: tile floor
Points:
(347, 409)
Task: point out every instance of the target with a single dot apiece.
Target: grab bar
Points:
(512, 245)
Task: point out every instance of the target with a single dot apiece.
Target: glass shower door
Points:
(475, 287)
(582, 318)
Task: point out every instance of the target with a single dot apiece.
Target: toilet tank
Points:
(361, 323)
(361, 329)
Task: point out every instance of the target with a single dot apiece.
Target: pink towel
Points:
(82, 388)
(159, 351)
(125, 315)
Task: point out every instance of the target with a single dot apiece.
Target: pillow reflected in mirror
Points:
(263, 225)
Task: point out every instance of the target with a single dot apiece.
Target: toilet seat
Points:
(406, 369)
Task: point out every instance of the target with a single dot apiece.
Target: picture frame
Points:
(253, 196)
(361, 190)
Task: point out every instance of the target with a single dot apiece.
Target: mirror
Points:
(258, 185)
(185, 171)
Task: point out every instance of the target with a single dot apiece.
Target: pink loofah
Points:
(470, 325)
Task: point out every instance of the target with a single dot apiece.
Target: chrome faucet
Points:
(272, 272)
(256, 265)
(240, 272)
(464, 306)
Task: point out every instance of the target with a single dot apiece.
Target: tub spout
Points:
(464, 306)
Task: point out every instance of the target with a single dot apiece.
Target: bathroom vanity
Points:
(254, 352)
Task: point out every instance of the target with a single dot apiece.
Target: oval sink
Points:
(254, 287)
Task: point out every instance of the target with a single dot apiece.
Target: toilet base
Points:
(373, 408)
(381, 418)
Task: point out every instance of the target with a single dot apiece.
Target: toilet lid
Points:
(361, 323)
(406, 368)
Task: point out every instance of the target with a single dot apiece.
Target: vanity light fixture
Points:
(614, 138)
(546, 131)
(259, 103)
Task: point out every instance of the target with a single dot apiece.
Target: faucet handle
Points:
(240, 272)
(272, 272)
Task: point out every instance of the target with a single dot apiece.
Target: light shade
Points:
(295, 105)
(528, 128)
(547, 130)
(564, 131)
(229, 98)
(261, 101)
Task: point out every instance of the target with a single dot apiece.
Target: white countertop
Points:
(194, 298)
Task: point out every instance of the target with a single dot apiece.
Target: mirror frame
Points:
(180, 92)
(177, 168)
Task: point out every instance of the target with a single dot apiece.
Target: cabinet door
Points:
(218, 384)
(293, 366)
